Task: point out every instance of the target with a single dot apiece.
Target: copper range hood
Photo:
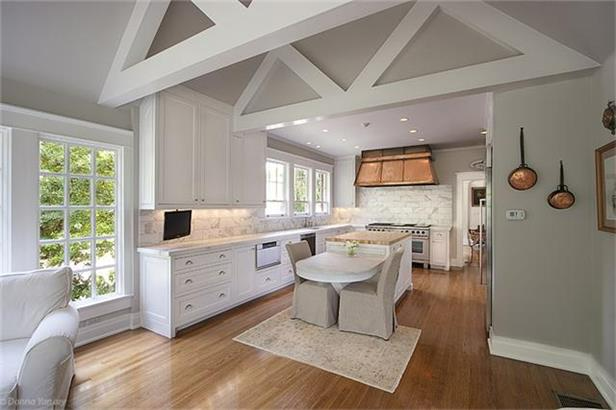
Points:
(396, 167)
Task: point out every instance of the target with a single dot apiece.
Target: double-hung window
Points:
(276, 188)
(79, 215)
(301, 191)
(321, 192)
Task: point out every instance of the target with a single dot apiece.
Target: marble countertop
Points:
(371, 238)
(169, 249)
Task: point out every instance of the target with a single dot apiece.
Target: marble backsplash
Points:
(431, 204)
(220, 223)
(423, 204)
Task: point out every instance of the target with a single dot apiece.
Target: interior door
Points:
(214, 128)
(179, 174)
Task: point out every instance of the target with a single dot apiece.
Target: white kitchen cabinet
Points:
(345, 192)
(439, 248)
(248, 169)
(183, 151)
(245, 272)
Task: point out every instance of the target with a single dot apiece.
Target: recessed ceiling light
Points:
(343, 140)
(413, 131)
(357, 147)
(318, 146)
(421, 139)
(484, 132)
(309, 143)
(325, 130)
(404, 119)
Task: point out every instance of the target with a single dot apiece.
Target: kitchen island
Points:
(379, 244)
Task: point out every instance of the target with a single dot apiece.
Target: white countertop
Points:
(169, 249)
(334, 267)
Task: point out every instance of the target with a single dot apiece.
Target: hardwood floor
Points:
(203, 367)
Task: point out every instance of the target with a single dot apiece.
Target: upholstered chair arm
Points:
(48, 360)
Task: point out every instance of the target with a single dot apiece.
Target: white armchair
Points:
(38, 329)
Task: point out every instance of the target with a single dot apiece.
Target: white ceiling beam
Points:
(540, 56)
(255, 81)
(397, 40)
(221, 11)
(264, 26)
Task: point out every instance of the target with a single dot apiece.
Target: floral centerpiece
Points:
(351, 247)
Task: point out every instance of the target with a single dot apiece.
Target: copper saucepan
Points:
(523, 177)
(561, 198)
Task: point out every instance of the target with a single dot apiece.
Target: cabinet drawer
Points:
(193, 261)
(438, 235)
(195, 279)
(192, 307)
(286, 273)
(268, 279)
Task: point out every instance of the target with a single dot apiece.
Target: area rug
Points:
(365, 359)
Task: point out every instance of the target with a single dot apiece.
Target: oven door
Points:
(420, 249)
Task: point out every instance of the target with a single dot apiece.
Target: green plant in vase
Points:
(351, 247)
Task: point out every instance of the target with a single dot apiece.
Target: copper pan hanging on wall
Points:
(561, 198)
(523, 177)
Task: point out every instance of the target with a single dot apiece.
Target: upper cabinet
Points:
(345, 192)
(185, 154)
(248, 169)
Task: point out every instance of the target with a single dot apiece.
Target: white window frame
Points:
(309, 193)
(285, 184)
(326, 196)
(118, 209)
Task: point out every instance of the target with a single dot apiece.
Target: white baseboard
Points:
(559, 358)
(109, 327)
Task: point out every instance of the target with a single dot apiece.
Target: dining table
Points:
(339, 269)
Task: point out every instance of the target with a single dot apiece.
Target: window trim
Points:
(286, 178)
(327, 197)
(5, 208)
(119, 209)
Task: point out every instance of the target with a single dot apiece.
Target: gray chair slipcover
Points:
(313, 302)
(369, 307)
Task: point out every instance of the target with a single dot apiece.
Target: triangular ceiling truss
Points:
(499, 50)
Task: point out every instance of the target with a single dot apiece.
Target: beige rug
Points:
(366, 359)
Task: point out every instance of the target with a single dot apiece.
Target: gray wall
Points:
(446, 164)
(36, 98)
(542, 266)
(602, 244)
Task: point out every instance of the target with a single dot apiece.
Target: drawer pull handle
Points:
(222, 295)
(268, 279)
(222, 272)
(222, 256)
(188, 307)
(188, 262)
(188, 281)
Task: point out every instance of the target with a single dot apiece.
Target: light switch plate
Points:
(515, 214)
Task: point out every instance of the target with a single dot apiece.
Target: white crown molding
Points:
(239, 33)
(558, 358)
(540, 56)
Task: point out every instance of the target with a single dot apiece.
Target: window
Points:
(301, 191)
(321, 192)
(79, 223)
(276, 188)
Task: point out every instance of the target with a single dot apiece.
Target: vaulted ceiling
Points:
(282, 62)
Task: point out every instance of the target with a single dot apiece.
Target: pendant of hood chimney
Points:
(396, 167)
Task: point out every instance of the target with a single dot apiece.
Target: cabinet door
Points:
(245, 272)
(179, 174)
(248, 168)
(438, 252)
(214, 128)
(345, 193)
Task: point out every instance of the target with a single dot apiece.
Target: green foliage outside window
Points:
(84, 183)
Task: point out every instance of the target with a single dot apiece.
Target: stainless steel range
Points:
(420, 238)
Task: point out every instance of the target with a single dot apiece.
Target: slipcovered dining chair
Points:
(313, 302)
(369, 307)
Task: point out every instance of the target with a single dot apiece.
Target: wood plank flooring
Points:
(204, 368)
